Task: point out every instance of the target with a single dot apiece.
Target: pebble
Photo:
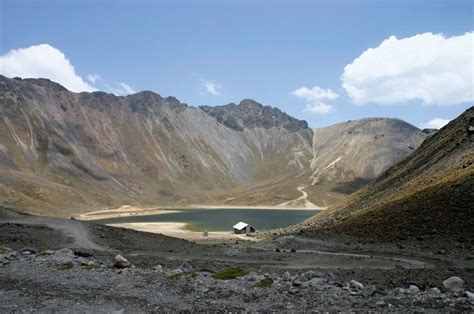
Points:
(286, 276)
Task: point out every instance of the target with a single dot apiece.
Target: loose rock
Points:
(121, 262)
(453, 283)
(356, 285)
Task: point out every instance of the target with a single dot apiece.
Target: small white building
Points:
(243, 228)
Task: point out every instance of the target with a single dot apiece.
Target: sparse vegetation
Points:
(230, 273)
(65, 266)
(174, 276)
(264, 283)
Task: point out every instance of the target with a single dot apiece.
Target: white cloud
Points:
(126, 88)
(43, 61)
(319, 107)
(436, 123)
(315, 98)
(119, 89)
(210, 87)
(93, 78)
(430, 68)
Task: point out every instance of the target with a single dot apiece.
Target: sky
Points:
(321, 61)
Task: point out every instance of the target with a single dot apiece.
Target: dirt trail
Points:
(302, 200)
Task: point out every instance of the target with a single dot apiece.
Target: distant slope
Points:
(350, 154)
(63, 152)
(428, 195)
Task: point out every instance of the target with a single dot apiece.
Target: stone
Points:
(469, 295)
(314, 282)
(434, 291)
(309, 275)
(286, 276)
(158, 268)
(121, 262)
(63, 256)
(412, 289)
(297, 283)
(185, 268)
(28, 251)
(368, 291)
(356, 285)
(453, 283)
(83, 252)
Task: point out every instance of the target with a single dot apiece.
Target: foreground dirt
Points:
(50, 264)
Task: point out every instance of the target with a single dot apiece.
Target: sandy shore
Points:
(125, 211)
(179, 230)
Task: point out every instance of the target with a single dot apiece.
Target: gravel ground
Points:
(45, 267)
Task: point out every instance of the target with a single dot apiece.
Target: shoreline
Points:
(179, 230)
(128, 210)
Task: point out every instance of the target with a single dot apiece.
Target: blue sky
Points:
(217, 52)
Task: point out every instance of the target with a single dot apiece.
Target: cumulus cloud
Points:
(210, 87)
(43, 61)
(430, 68)
(316, 98)
(436, 123)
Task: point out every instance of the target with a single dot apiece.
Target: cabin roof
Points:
(241, 225)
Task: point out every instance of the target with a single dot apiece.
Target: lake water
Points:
(223, 219)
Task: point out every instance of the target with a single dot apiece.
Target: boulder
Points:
(453, 283)
(82, 252)
(63, 256)
(356, 285)
(412, 289)
(121, 262)
(286, 276)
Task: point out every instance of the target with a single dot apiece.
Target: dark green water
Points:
(223, 219)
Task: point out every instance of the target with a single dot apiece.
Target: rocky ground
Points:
(49, 264)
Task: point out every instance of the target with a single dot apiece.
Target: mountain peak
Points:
(251, 114)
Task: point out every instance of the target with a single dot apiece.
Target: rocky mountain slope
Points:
(64, 152)
(428, 195)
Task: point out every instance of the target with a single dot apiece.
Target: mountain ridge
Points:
(82, 151)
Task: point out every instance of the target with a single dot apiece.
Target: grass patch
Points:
(264, 283)
(174, 276)
(230, 273)
(91, 266)
(65, 266)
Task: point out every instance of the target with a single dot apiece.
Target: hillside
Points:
(428, 195)
(63, 152)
